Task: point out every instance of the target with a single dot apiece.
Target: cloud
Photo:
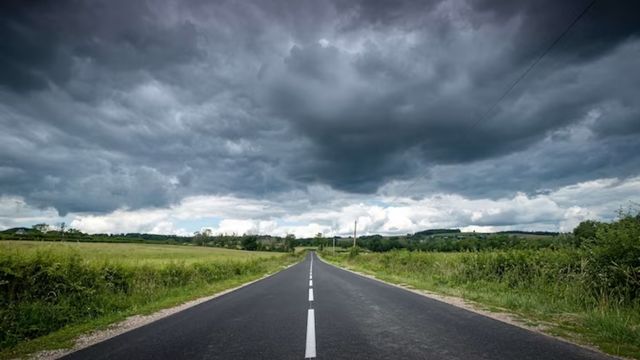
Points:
(331, 214)
(15, 212)
(123, 107)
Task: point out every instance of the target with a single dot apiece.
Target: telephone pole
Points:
(355, 227)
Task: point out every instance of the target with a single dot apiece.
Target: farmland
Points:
(129, 254)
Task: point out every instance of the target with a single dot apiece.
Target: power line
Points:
(524, 74)
(533, 64)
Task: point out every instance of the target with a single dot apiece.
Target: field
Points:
(549, 288)
(50, 292)
(130, 254)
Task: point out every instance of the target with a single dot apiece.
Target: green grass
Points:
(541, 286)
(52, 292)
(131, 254)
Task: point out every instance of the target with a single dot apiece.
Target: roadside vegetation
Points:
(52, 292)
(584, 286)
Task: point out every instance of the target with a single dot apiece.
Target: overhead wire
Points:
(486, 115)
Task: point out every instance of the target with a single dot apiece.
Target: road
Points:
(313, 309)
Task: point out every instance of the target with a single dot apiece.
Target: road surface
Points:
(315, 310)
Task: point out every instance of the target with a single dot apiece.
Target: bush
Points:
(614, 260)
(354, 252)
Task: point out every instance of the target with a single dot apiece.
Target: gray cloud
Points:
(118, 104)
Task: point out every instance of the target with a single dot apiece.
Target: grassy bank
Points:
(52, 292)
(553, 287)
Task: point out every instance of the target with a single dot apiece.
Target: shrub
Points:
(614, 260)
(354, 252)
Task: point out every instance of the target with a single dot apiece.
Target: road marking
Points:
(310, 351)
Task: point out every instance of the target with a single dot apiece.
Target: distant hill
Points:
(436, 231)
(519, 232)
(20, 230)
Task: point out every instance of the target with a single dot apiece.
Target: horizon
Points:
(57, 229)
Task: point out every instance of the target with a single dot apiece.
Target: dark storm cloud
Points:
(389, 98)
(43, 39)
(108, 104)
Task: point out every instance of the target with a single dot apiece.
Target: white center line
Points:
(310, 351)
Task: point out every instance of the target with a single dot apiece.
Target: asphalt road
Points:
(333, 315)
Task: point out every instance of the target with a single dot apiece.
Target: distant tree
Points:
(318, 240)
(249, 242)
(74, 233)
(290, 243)
(200, 238)
(586, 229)
(63, 227)
(43, 228)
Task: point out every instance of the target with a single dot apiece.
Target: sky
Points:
(279, 117)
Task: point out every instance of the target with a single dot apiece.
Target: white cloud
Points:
(123, 221)
(15, 212)
(333, 213)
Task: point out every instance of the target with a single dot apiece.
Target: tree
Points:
(250, 242)
(43, 228)
(319, 240)
(290, 243)
(201, 238)
(63, 227)
(586, 231)
(74, 233)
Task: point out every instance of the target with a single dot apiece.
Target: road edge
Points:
(136, 321)
(461, 303)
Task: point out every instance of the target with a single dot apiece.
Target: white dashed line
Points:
(310, 351)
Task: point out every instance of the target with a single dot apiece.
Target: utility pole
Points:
(334, 244)
(355, 227)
